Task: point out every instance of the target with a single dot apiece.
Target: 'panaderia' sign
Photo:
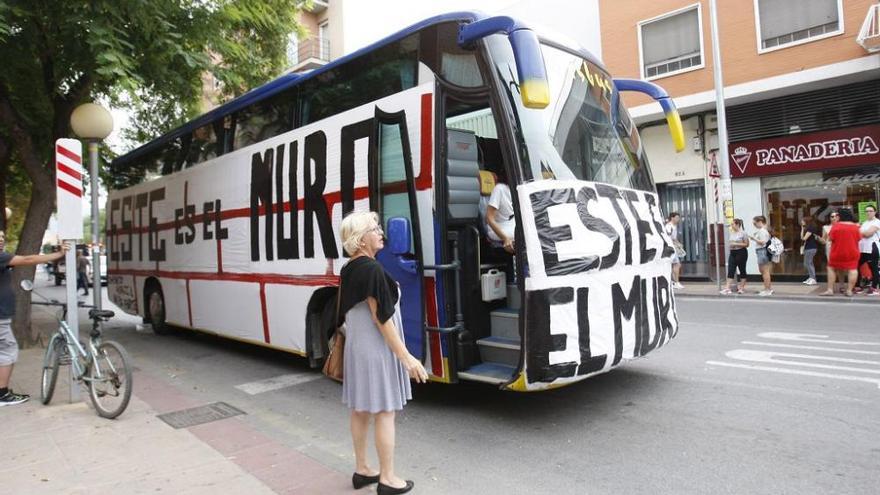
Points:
(598, 287)
(853, 147)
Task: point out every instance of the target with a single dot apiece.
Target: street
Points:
(751, 397)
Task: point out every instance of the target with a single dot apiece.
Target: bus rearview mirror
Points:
(533, 86)
(673, 119)
(399, 235)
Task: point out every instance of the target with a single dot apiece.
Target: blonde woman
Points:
(377, 366)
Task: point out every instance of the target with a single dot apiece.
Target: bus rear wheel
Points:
(156, 309)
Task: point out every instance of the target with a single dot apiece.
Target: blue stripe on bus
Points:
(287, 81)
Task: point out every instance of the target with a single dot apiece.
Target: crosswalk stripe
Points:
(811, 347)
(277, 382)
(789, 371)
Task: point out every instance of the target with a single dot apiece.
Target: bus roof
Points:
(290, 80)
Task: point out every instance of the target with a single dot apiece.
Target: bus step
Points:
(514, 297)
(494, 373)
(505, 323)
(499, 350)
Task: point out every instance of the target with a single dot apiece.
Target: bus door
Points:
(472, 163)
(392, 195)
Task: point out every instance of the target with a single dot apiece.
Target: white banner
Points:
(598, 286)
(69, 188)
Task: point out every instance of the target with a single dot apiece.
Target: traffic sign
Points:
(69, 188)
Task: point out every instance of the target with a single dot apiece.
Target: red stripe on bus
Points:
(266, 278)
(69, 154)
(423, 181)
(69, 171)
(431, 309)
(330, 199)
(71, 189)
(265, 313)
(189, 306)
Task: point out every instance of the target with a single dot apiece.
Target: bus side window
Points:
(386, 71)
(264, 120)
(202, 146)
(393, 191)
(170, 156)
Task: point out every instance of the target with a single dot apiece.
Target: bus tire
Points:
(155, 308)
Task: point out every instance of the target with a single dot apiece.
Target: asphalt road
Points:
(740, 402)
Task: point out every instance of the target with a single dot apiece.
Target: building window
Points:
(324, 40)
(672, 43)
(783, 23)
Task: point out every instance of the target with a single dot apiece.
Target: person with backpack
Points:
(762, 239)
(844, 237)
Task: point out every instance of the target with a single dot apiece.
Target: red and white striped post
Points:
(69, 192)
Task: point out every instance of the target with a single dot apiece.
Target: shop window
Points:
(783, 23)
(672, 43)
(791, 198)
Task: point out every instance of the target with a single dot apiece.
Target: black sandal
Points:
(384, 489)
(359, 481)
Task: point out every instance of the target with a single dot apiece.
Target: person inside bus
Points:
(500, 220)
(377, 367)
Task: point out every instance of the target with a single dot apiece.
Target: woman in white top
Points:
(869, 246)
(499, 214)
(762, 240)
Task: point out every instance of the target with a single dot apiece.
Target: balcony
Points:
(869, 36)
(319, 6)
(308, 54)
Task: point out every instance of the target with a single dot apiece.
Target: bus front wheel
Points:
(156, 309)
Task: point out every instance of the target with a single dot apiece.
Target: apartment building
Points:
(802, 89)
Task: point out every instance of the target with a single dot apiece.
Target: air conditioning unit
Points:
(711, 122)
(711, 139)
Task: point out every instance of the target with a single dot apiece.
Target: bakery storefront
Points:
(809, 174)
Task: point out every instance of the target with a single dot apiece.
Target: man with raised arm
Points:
(8, 344)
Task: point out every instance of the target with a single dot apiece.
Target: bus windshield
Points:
(584, 133)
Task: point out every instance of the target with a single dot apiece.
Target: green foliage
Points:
(149, 56)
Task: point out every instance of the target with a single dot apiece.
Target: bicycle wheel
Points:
(110, 390)
(51, 363)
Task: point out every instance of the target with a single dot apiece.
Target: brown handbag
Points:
(333, 365)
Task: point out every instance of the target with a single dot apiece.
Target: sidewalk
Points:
(781, 290)
(66, 448)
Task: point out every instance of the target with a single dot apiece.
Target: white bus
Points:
(229, 224)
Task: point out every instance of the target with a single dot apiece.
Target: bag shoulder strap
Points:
(338, 300)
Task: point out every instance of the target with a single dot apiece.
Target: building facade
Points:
(802, 90)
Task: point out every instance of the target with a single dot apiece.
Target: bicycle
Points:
(101, 365)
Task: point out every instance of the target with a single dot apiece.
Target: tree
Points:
(149, 56)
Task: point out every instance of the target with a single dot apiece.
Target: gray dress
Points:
(374, 380)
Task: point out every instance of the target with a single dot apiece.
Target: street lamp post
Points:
(93, 123)
(720, 110)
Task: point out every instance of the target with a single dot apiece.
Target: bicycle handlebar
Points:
(60, 304)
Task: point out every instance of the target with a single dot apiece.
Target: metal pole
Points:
(96, 238)
(72, 316)
(724, 162)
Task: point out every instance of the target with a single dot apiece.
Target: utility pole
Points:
(722, 155)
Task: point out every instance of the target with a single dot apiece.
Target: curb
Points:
(784, 297)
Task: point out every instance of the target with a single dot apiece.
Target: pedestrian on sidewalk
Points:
(739, 255)
(844, 236)
(762, 241)
(840, 276)
(82, 268)
(810, 237)
(869, 247)
(8, 344)
(672, 230)
(377, 366)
